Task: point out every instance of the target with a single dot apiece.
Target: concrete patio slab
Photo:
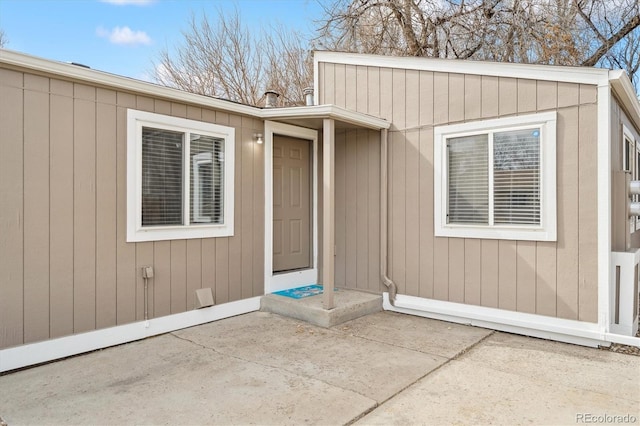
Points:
(167, 380)
(385, 368)
(556, 362)
(509, 379)
(439, 338)
(339, 359)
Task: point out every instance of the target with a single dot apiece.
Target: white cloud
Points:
(127, 2)
(124, 35)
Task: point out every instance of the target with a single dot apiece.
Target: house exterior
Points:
(557, 276)
(483, 193)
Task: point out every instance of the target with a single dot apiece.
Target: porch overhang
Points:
(327, 118)
(313, 117)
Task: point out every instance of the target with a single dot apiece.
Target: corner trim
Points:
(603, 207)
(49, 350)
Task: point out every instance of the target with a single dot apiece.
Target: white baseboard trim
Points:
(623, 340)
(568, 331)
(49, 350)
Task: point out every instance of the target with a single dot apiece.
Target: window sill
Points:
(178, 233)
(497, 233)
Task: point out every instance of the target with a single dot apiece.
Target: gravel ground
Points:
(624, 349)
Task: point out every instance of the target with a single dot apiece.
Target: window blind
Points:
(162, 184)
(206, 179)
(516, 177)
(629, 149)
(468, 179)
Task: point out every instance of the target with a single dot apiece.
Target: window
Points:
(179, 178)
(636, 198)
(629, 149)
(497, 178)
(631, 164)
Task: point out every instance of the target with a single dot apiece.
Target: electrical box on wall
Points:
(147, 272)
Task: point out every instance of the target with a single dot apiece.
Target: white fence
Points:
(624, 294)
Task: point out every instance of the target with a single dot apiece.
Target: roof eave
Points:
(102, 78)
(623, 88)
(569, 74)
(124, 83)
(326, 111)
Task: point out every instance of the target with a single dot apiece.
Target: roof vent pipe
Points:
(308, 96)
(271, 98)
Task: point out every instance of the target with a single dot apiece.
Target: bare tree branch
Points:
(611, 41)
(3, 38)
(223, 58)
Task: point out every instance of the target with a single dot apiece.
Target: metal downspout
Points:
(383, 217)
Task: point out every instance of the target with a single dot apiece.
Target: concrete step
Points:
(350, 304)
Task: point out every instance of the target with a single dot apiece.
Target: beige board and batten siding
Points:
(557, 279)
(621, 237)
(65, 267)
(357, 209)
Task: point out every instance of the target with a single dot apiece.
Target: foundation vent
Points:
(204, 298)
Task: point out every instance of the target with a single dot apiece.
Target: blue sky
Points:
(124, 36)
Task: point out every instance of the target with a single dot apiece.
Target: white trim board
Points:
(583, 75)
(326, 111)
(604, 199)
(568, 331)
(49, 350)
(276, 282)
(626, 93)
(558, 329)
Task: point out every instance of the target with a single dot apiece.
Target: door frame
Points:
(283, 281)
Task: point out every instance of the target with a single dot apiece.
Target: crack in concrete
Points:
(214, 350)
(428, 373)
(375, 404)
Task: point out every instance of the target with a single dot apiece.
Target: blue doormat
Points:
(300, 292)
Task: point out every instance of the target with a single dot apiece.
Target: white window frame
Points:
(633, 169)
(198, 161)
(136, 120)
(547, 229)
(636, 176)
